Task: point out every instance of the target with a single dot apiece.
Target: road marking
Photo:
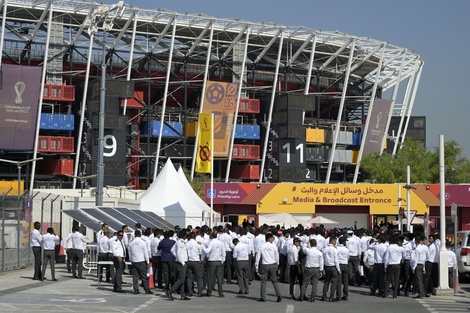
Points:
(89, 300)
(290, 308)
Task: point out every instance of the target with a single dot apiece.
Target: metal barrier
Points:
(90, 259)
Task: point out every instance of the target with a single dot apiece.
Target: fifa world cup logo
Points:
(19, 89)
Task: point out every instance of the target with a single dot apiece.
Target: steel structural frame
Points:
(141, 35)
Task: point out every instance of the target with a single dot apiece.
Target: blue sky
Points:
(437, 30)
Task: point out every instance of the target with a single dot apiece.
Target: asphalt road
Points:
(19, 293)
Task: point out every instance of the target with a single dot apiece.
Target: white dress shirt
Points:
(154, 247)
(293, 255)
(36, 238)
(313, 258)
(247, 240)
(226, 239)
(138, 251)
(451, 259)
(343, 254)
(241, 251)
(393, 255)
(194, 250)
(49, 241)
(354, 245)
(433, 253)
(78, 241)
(330, 255)
(215, 250)
(118, 249)
(268, 254)
(103, 244)
(111, 242)
(379, 252)
(420, 255)
(179, 251)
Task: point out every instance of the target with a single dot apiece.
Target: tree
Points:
(387, 168)
(457, 167)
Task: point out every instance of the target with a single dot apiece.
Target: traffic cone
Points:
(151, 279)
(61, 249)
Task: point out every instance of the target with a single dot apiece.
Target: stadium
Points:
(123, 88)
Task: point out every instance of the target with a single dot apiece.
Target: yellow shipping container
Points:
(315, 135)
(5, 185)
(355, 156)
(191, 129)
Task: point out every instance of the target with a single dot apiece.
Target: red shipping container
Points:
(248, 172)
(245, 152)
(56, 167)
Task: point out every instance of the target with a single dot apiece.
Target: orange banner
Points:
(221, 99)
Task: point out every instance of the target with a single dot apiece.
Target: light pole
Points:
(408, 187)
(82, 180)
(19, 165)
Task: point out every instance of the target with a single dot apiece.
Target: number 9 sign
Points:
(110, 143)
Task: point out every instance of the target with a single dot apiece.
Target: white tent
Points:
(171, 197)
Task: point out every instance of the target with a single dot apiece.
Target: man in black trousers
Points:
(36, 241)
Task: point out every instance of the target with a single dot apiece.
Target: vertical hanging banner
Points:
(204, 145)
(19, 104)
(221, 99)
(378, 122)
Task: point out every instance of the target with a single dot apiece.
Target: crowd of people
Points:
(196, 262)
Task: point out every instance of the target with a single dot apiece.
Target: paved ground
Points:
(19, 293)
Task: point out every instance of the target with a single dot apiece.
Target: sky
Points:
(437, 30)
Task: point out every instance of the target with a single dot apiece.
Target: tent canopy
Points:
(171, 197)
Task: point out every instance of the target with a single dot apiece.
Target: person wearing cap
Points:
(332, 270)
(35, 243)
(313, 270)
(49, 240)
(354, 246)
(343, 280)
(295, 272)
(266, 264)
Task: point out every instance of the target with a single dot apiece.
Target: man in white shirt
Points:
(313, 270)
(332, 270)
(139, 256)
(378, 273)
(119, 260)
(157, 258)
(343, 259)
(49, 241)
(104, 228)
(392, 263)
(180, 253)
(241, 255)
(267, 262)
(451, 262)
(35, 243)
(78, 246)
(215, 252)
(194, 269)
(406, 274)
(67, 244)
(354, 246)
(418, 260)
(295, 272)
(282, 247)
(226, 239)
(103, 255)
